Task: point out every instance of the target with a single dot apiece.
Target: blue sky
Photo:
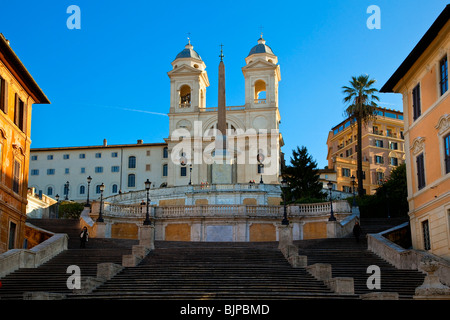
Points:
(109, 79)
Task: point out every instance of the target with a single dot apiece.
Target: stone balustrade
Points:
(224, 210)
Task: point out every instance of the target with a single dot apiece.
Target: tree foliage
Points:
(360, 97)
(302, 177)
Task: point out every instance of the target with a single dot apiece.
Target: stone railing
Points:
(224, 210)
(402, 258)
(14, 259)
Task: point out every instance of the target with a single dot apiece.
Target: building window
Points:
(83, 170)
(115, 169)
(379, 160)
(50, 191)
(97, 189)
(148, 153)
(98, 169)
(16, 177)
(379, 143)
(347, 189)
(147, 167)
(426, 235)
(444, 75)
(82, 189)
(50, 157)
(98, 155)
(420, 171)
(12, 235)
(131, 181)
(131, 162)
(114, 188)
(35, 172)
(19, 114)
(380, 177)
(183, 171)
(3, 96)
(34, 158)
(66, 171)
(394, 161)
(346, 172)
(165, 152)
(50, 172)
(66, 156)
(416, 102)
(447, 153)
(114, 155)
(165, 170)
(393, 146)
(82, 156)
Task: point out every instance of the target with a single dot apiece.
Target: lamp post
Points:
(89, 179)
(147, 221)
(190, 174)
(100, 215)
(66, 190)
(330, 187)
(57, 205)
(353, 190)
(284, 186)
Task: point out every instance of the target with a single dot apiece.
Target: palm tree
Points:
(360, 96)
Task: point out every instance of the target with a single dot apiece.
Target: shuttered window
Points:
(444, 75)
(416, 102)
(16, 177)
(420, 171)
(447, 153)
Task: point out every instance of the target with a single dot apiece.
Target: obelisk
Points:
(222, 166)
(221, 108)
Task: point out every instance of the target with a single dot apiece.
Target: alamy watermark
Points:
(374, 20)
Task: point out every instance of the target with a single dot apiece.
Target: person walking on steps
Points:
(357, 231)
(84, 235)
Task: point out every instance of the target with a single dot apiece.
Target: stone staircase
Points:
(52, 275)
(208, 270)
(349, 258)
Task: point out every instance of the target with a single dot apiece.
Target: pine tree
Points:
(303, 177)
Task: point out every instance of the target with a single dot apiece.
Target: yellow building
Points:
(18, 92)
(422, 79)
(382, 150)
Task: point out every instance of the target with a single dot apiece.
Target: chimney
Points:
(140, 141)
(105, 143)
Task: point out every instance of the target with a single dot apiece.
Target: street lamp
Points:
(190, 174)
(284, 186)
(353, 190)
(66, 190)
(57, 205)
(100, 215)
(330, 187)
(89, 179)
(147, 221)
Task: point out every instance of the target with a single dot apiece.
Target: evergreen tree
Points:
(303, 177)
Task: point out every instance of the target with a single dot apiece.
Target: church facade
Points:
(187, 156)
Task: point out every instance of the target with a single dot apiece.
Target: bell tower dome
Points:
(188, 81)
(262, 74)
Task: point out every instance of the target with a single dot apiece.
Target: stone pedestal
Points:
(432, 288)
(147, 236)
(100, 230)
(285, 237)
(222, 169)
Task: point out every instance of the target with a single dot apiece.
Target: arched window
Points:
(50, 191)
(131, 162)
(131, 180)
(114, 188)
(260, 91)
(165, 152)
(185, 96)
(82, 189)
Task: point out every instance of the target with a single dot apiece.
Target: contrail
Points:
(122, 108)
